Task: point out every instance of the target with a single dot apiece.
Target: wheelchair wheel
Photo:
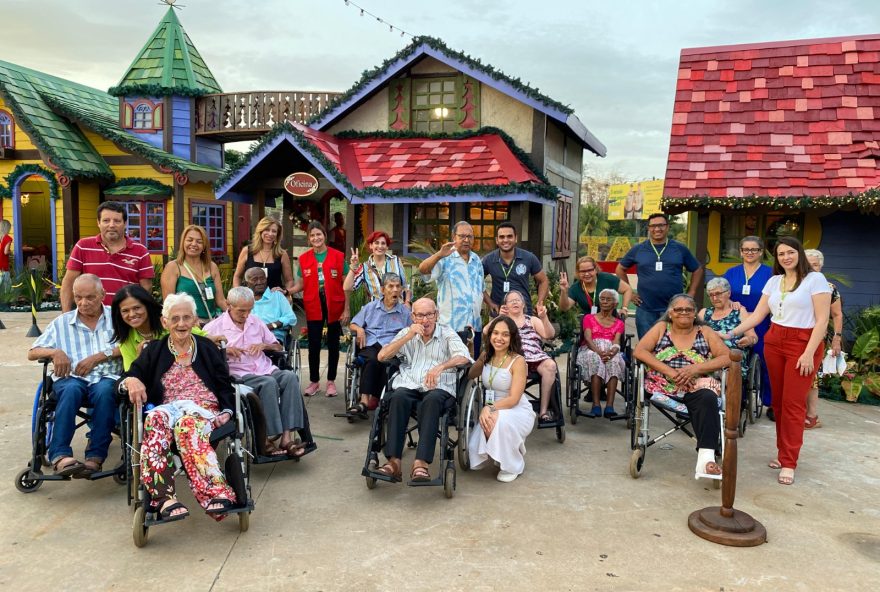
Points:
(560, 434)
(139, 532)
(635, 462)
(371, 482)
(244, 521)
(120, 478)
(449, 481)
(25, 484)
(469, 420)
(755, 386)
(235, 478)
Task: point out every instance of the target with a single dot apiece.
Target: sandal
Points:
(546, 417)
(225, 504)
(390, 469)
(774, 464)
(786, 479)
(168, 506)
(71, 467)
(419, 474)
(270, 449)
(812, 422)
(295, 449)
(92, 465)
(359, 410)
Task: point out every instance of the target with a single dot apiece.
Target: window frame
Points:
(454, 112)
(211, 206)
(482, 223)
(142, 226)
(11, 124)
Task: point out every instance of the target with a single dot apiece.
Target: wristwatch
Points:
(108, 352)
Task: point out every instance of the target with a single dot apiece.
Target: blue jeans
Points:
(645, 319)
(71, 394)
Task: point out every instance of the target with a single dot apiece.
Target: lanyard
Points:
(782, 293)
(198, 279)
(661, 250)
(749, 277)
(591, 300)
(493, 370)
(501, 263)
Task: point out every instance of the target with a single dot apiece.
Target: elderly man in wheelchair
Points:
(426, 381)
(86, 365)
(682, 356)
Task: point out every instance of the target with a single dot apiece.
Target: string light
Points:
(391, 27)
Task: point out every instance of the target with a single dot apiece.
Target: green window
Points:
(434, 105)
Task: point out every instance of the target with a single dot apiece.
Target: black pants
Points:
(334, 332)
(430, 405)
(702, 406)
(373, 374)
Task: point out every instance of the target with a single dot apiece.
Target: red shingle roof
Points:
(403, 163)
(777, 119)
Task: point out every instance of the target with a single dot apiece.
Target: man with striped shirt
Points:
(85, 366)
(427, 379)
(111, 255)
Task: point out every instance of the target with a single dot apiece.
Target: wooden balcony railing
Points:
(248, 115)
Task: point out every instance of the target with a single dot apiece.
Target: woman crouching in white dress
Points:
(507, 416)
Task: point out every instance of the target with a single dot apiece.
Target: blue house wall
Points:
(209, 152)
(181, 121)
(852, 251)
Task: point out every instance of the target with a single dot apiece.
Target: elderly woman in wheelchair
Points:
(723, 317)
(184, 378)
(600, 356)
(682, 356)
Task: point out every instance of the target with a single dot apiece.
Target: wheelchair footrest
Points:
(432, 483)
(365, 472)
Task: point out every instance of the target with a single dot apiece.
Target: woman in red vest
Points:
(323, 270)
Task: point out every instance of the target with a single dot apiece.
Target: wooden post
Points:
(725, 525)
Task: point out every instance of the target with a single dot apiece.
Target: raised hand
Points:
(563, 281)
(355, 259)
(447, 249)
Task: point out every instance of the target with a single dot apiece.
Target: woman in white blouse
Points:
(799, 300)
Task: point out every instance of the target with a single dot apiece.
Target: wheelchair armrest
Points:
(224, 431)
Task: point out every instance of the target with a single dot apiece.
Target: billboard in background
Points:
(634, 201)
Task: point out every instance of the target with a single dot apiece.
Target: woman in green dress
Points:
(194, 273)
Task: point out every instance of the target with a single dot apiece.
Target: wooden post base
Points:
(737, 530)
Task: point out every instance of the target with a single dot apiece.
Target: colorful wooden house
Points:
(429, 138)
(777, 138)
(65, 147)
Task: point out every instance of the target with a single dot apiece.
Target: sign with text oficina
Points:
(300, 184)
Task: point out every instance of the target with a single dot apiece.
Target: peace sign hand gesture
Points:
(355, 259)
(563, 280)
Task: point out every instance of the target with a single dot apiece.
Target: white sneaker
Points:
(506, 477)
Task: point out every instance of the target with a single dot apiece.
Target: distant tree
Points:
(593, 220)
(232, 157)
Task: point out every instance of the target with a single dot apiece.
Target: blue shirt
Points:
(517, 274)
(459, 291)
(273, 306)
(67, 333)
(736, 276)
(381, 324)
(656, 288)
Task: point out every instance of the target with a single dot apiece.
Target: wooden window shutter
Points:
(128, 122)
(562, 231)
(399, 104)
(158, 112)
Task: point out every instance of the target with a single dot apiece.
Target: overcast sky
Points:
(614, 62)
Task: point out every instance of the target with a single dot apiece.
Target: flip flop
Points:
(225, 503)
(91, 466)
(72, 468)
(359, 410)
(165, 512)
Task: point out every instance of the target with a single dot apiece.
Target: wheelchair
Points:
(289, 358)
(353, 365)
(42, 423)
(446, 476)
(533, 392)
(578, 385)
(231, 441)
(640, 439)
(753, 384)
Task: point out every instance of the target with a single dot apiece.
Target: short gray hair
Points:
(815, 254)
(751, 239)
(253, 271)
(462, 223)
(718, 282)
(91, 278)
(240, 295)
(611, 291)
(181, 299)
(391, 277)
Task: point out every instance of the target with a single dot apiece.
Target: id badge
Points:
(209, 293)
(506, 287)
(658, 266)
(747, 289)
(594, 309)
(489, 396)
(321, 276)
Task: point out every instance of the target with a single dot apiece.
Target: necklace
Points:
(186, 354)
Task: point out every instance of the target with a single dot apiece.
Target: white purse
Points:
(834, 364)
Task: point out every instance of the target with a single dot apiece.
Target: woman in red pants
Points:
(799, 301)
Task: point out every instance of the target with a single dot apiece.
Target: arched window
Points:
(7, 130)
(143, 116)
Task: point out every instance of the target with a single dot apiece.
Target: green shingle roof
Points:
(24, 91)
(169, 64)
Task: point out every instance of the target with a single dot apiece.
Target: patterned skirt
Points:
(592, 364)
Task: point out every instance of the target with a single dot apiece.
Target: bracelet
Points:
(836, 334)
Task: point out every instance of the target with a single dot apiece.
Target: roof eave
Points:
(390, 197)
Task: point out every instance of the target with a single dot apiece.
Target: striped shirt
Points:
(369, 275)
(459, 290)
(116, 270)
(67, 333)
(419, 357)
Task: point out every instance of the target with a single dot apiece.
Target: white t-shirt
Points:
(796, 310)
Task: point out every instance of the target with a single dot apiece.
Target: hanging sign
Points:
(300, 184)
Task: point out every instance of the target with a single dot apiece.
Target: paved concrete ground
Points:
(574, 521)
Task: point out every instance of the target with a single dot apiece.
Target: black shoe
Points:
(770, 414)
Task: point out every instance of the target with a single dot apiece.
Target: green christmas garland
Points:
(867, 201)
(26, 170)
(545, 190)
(437, 44)
(4, 192)
(128, 181)
(157, 90)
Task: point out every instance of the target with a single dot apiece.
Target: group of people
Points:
(168, 358)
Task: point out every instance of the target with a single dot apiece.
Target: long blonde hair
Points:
(5, 227)
(205, 257)
(257, 240)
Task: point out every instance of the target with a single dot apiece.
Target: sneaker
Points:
(331, 389)
(506, 477)
(311, 389)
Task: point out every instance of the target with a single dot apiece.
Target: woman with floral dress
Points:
(189, 386)
(599, 354)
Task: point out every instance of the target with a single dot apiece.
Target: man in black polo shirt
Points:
(510, 268)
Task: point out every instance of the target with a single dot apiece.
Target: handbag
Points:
(832, 364)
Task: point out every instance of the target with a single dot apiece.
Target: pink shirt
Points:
(255, 331)
(597, 331)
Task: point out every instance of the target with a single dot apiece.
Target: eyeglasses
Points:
(750, 251)
(464, 236)
(591, 270)
(718, 294)
(657, 225)
(419, 316)
(683, 311)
